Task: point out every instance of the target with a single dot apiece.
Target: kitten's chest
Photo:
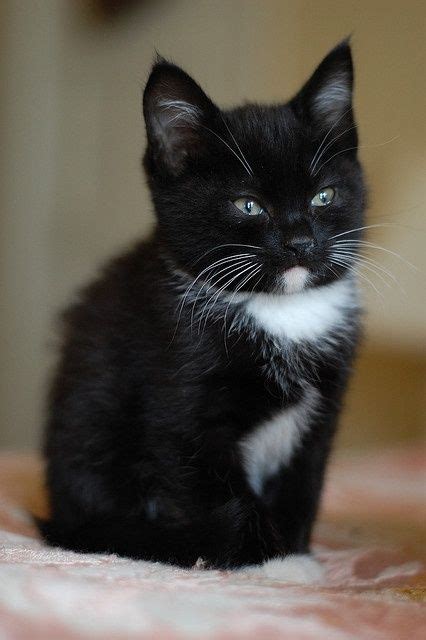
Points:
(308, 318)
(293, 334)
(297, 340)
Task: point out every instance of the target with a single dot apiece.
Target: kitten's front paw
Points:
(298, 569)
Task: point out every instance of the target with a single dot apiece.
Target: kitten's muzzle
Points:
(300, 251)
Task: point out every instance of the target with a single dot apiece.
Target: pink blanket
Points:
(369, 539)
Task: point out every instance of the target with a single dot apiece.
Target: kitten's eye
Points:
(249, 206)
(323, 197)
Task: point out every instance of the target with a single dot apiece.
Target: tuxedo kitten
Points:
(202, 374)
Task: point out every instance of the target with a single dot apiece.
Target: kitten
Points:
(202, 374)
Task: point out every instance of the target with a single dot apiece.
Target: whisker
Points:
(328, 145)
(371, 245)
(235, 263)
(333, 156)
(367, 260)
(239, 287)
(327, 266)
(368, 226)
(213, 283)
(190, 115)
(255, 271)
(357, 272)
(221, 246)
(236, 144)
(215, 264)
(235, 267)
(181, 305)
(362, 264)
(215, 297)
(247, 168)
(363, 146)
(327, 134)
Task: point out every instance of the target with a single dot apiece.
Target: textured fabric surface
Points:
(369, 539)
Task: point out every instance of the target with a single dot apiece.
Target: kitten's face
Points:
(253, 199)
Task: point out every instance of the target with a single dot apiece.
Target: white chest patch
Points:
(273, 442)
(305, 316)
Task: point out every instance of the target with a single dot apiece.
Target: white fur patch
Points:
(295, 279)
(296, 569)
(272, 443)
(305, 316)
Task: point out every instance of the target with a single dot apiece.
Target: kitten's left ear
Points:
(327, 95)
(176, 112)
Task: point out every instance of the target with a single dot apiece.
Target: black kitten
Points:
(202, 375)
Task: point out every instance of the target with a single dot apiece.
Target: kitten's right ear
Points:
(326, 98)
(176, 111)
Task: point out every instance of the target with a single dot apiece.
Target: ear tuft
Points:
(179, 111)
(327, 95)
(334, 97)
(175, 108)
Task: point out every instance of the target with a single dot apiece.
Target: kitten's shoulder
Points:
(123, 283)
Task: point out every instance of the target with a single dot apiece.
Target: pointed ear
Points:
(326, 98)
(176, 110)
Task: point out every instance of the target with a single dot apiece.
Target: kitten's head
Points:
(253, 198)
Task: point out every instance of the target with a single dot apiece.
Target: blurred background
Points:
(73, 194)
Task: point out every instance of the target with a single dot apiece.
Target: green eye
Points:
(249, 206)
(323, 197)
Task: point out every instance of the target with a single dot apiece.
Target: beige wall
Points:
(72, 137)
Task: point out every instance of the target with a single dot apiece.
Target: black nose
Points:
(300, 245)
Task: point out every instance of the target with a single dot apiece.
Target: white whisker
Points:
(362, 264)
(191, 115)
(239, 287)
(213, 282)
(363, 146)
(366, 260)
(221, 246)
(371, 245)
(328, 145)
(216, 264)
(235, 263)
(216, 295)
(227, 259)
(247, 168)
(348, 266)
(368, 226)
(327, 134)
(327, 266)
(236, 144)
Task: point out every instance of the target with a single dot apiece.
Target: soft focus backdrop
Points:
(72, 191)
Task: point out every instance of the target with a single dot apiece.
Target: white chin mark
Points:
(295, 569)
(295, 279)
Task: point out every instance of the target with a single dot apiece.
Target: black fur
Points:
(148, 408)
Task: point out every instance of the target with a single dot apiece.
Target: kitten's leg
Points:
(239, 533)
(292, 498)
(254, 543)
